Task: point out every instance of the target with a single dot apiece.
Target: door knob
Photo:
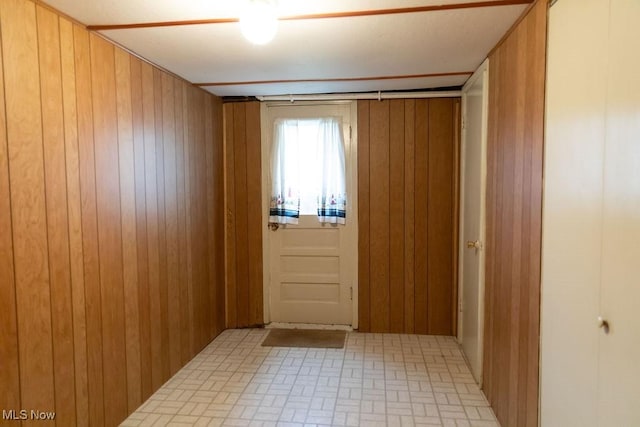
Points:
(604, 324)
(273, 226)
(472, 244)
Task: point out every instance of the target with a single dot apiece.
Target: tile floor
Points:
(376, 380)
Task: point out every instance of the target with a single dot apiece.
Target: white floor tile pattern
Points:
(376, 380)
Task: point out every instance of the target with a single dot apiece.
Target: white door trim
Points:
(481, 73)
(352, 207)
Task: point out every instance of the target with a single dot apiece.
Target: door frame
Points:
(481, 73)
(352, 160)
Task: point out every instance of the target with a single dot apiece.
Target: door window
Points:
(308, 171)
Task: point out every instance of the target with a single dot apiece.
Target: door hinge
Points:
(351, 293)
(350, 133)
(464, 122)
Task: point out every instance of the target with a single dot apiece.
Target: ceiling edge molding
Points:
(333, 15)
(343, 79)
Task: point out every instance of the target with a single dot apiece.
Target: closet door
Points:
(572, 216)
(619, 373)
(590, 376)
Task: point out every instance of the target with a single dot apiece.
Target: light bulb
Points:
(259, 21)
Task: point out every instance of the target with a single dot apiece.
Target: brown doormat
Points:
(314, 338)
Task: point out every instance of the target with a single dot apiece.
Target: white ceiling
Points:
(447, 41)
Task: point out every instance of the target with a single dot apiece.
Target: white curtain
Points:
(332, 197)
(284, 207)
(308, 171)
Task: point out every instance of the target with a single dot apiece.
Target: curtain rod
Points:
(369, 95)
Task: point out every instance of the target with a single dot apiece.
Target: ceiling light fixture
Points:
(259, 21)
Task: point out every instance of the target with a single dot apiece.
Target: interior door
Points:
(590, 375)
(619, 370)
(473, 171)
(312, 269)
(572, 212)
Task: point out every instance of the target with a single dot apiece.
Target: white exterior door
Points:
(311, 273)
(472, 204)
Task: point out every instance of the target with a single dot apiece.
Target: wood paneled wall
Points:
(111, 227)
(407, 196)
(514, 209)
(407, 243)
(243, 190)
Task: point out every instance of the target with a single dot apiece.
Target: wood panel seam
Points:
(97, 228)
(11, 237)
(122, 240)
(46, 203)
(246, 180)
(73, 322)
